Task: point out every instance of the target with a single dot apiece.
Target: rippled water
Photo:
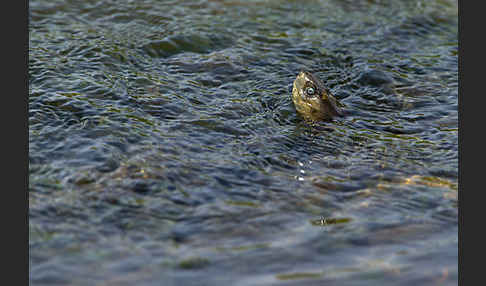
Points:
(164, 148)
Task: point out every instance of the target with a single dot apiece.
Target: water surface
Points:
(164, 148)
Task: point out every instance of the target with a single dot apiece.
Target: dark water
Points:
(164, 148)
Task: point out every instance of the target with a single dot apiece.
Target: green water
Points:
(164, 148)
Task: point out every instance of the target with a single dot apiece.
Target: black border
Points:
(461, 114)
(15, 142)
(18, 126)
(464, 91)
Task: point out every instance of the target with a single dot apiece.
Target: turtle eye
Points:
(310, 91)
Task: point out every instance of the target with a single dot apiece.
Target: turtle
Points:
(312, 100)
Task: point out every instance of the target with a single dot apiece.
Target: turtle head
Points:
(311, 99)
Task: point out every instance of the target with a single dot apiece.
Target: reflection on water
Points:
(164, 145)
